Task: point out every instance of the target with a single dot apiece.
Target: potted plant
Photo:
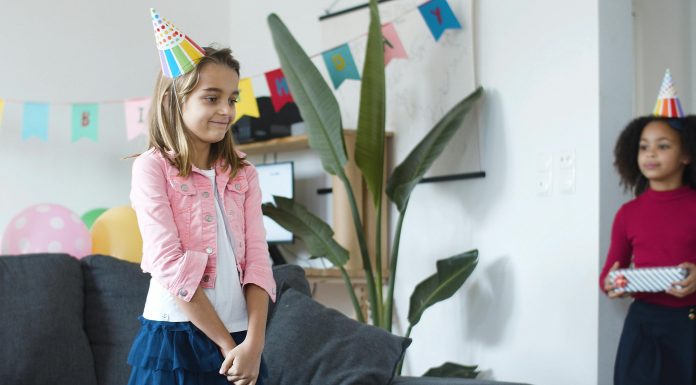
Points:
(320, 111)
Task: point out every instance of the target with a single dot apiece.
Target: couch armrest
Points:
(446, 381)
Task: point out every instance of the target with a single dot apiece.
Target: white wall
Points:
(81, 51)
(616, 108)
(529, 312)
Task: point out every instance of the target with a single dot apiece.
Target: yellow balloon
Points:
(116, 233)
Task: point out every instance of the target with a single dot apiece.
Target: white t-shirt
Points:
(227, 296)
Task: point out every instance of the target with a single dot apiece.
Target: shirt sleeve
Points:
(257, 269)
(620, 249)
(177, 270)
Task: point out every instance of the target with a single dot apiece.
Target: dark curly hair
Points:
(626, 151)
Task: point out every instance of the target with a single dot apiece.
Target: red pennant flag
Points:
(278, 85)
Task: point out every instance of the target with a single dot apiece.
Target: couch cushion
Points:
(307, 343)
(288, 276)
(446, 381)
(42, 338)
(115, 292)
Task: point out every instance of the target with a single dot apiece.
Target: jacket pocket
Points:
(181, 197)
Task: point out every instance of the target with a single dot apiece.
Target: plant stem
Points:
(351, 292)
(401, 363)
(363, 248)
(389, 301)
(378, 263)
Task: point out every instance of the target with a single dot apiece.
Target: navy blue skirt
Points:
(178, 353)
(657, 346)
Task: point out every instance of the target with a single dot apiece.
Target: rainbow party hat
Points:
(668, 104)
(178, 53)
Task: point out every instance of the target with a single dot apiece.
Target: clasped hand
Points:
(687, 285)
(241, 365)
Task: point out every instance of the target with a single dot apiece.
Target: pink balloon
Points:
(47, 228)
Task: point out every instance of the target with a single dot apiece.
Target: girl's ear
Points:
(686, 159)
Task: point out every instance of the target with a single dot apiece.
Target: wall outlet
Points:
(544, 182)
(566, 172)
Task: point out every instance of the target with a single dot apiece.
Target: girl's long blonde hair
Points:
(167, 131)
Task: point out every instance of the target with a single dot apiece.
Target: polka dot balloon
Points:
(47, 228)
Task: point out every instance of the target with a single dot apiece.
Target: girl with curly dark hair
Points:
(654, 157)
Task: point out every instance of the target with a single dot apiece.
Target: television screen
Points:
(276, 179)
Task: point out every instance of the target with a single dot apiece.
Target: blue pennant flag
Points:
(339, 61)
(84, 121)
(439, 17)
(35, 122)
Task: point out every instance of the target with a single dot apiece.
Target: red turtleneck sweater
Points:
(658, 228)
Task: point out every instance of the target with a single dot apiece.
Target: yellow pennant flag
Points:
(2, 109)
(247, 100)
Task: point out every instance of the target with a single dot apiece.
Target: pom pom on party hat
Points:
(178, 53)
(668, 104)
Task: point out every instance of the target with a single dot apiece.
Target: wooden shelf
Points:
(333, 274)
(288, 143)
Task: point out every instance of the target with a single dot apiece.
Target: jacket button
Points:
(206, 278)
(209, 250)
(206, 194)
(184, 187)
(208, 218)
(183, 292)
(237, 186)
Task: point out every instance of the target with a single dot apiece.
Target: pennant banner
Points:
(393, 49)
(136, 111)
(35, 121)
(247, 104)
(280, 92)
(340, 64)
(439, 16)
(84, 121)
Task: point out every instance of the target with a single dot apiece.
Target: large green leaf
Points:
(316, 234)
(314, 98)
(407, 175)
(452, 370)
(369, 142)
(451, 274)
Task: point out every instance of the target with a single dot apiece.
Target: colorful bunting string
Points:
(339, 62)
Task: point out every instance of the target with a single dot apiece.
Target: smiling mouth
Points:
(651, 166)
(224, 123)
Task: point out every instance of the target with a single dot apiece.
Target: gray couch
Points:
(69, 321)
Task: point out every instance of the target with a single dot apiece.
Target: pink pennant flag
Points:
(136, 116)
(393, 48)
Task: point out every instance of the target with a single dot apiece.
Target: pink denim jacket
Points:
(178, 224)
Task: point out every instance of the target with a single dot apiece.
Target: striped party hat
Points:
(178, 53)
(668, 104)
